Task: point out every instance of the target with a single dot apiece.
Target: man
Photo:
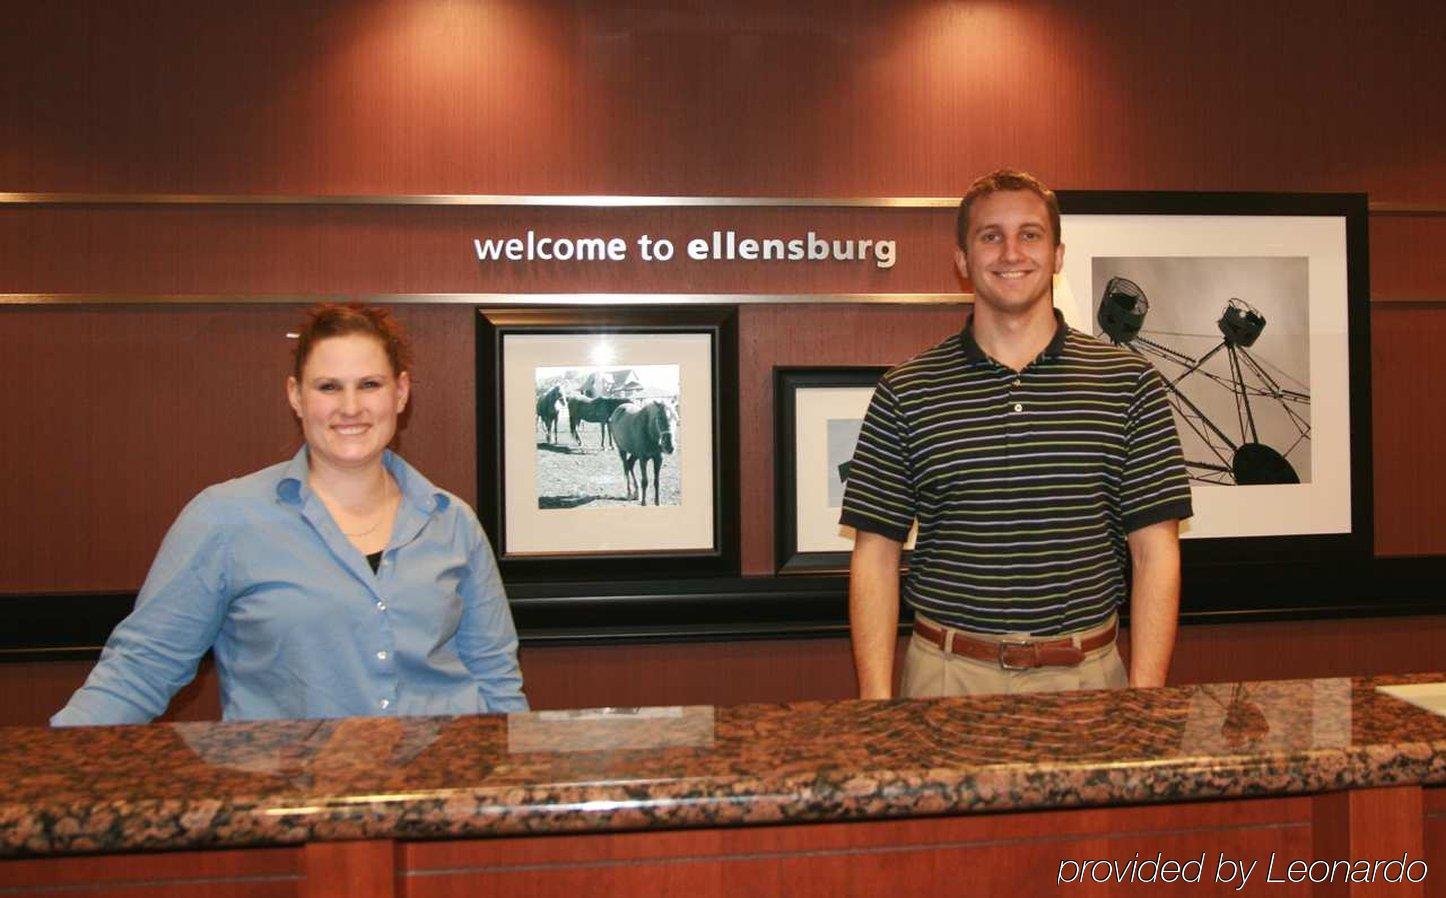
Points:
(1036, 460)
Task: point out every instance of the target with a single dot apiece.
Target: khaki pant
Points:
(928, 671)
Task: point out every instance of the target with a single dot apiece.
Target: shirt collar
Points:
(292, 487)
(417, 490)
(974, 354)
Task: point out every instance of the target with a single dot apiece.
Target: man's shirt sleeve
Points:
(1154, 486)
(879, 497)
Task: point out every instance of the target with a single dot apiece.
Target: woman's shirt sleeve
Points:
(155, 650)
(486, 637)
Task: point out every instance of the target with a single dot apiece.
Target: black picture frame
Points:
(790, 383)
(717, 324)
(1230, 574)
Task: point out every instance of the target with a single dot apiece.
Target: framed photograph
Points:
(607, 443)
(1255, 310)
(818, 415)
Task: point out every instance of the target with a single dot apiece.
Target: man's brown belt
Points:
(1018, 653)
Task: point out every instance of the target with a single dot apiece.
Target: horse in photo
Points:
(550, 404)
(642, 433)
(598, 410)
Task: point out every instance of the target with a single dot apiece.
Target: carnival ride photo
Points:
(1270, 423)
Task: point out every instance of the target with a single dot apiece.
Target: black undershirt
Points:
(375, 560)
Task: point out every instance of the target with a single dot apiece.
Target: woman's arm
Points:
(155, 650)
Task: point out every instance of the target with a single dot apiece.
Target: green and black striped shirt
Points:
(1024, 484)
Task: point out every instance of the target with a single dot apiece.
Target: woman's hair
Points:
(339, 320)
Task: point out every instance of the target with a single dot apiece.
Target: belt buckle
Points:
(1006, 644)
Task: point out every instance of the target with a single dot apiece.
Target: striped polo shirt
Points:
(1024, 484)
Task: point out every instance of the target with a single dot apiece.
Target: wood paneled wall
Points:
(189, 396)
(1408, 390)
(130, 410)
(739, 97)
(290, 250)
(117, 414)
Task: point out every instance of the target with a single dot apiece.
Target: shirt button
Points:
(1018, 407)
(381, 606)
(382, 655)
(384, 704)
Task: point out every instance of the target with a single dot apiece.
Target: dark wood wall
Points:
(740, 97)
(118, 413)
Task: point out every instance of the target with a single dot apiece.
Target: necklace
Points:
(368, 530)
(386, 507)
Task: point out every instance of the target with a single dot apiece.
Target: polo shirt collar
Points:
(973, 354)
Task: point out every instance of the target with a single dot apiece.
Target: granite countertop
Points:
(189, 785)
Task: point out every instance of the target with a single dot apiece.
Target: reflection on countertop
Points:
(212, 785)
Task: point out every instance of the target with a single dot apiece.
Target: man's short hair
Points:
(999, 180)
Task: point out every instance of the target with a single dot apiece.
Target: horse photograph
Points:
(644, 433)
(588, 465)
(550, 406)
(597, 409)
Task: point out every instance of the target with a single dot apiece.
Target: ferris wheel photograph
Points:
(1231, 338)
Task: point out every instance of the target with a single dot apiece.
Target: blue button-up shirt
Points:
(256, 569)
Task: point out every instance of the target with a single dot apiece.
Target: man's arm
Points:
(874, 611)
(1154, 601)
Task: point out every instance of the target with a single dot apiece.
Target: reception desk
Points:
(987, 795)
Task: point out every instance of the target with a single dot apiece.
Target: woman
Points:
(338, 583)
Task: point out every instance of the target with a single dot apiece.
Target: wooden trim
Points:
(488, 299)
(357, 869)
(584, 201)
(1369, 824)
